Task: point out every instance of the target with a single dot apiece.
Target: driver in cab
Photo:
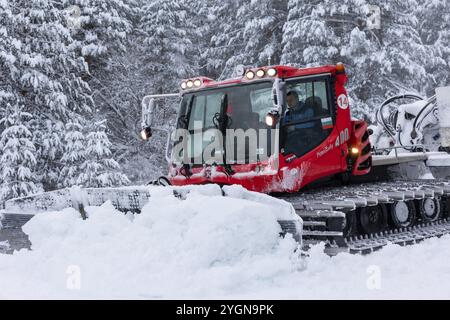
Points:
(297, 111)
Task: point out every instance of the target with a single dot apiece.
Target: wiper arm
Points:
(222, 117)
(222, 123)
(184, 119)
(187, 115)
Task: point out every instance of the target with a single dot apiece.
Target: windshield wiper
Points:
(221, 123)
(184, 119)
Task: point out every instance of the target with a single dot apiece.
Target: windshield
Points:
(233, 117)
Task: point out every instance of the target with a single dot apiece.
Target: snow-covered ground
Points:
(206, 246)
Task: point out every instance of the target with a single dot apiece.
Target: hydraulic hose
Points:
(431, 101)
(379, 115)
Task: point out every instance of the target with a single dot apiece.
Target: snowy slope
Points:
(205, 247)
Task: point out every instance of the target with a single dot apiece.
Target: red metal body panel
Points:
(327, 159)
(360, 140)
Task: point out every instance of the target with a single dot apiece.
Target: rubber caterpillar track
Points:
(406, 236)
(336, 215)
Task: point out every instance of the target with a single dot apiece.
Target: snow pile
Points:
(206, 246)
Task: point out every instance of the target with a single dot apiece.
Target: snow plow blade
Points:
(125, 199)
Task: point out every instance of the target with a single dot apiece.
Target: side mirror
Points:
(147, 115)
(146, 133)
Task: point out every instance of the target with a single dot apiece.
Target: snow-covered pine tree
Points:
(100, 28)
(226, 42)
(167, 54)
(163, 54)
(307, 37)
(364, 56)
(204, 23)
(99, 169)
(379, 62)
(166, 47)
(434, 29)
(263, 30)
(17, 154)
(73, 156)
(247, 33)
(6, 56)
(45, 76)
(406, 55)
(107, 36)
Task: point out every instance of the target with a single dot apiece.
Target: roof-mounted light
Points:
(190, 84)
(197, 83)
(250, 75)
(272, 72)
(260, 73)
(340, 67)
(183, 85)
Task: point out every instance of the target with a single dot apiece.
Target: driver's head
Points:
(292, 99)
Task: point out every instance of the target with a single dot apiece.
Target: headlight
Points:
(272, 72)
(260, 73)
(190, 84)
(354, 150)
(250, 75)
(197, 82)
(271, 119)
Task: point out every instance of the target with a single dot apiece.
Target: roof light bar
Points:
(260, 73)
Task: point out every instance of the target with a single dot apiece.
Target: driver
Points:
(298, 111)
(293, 101)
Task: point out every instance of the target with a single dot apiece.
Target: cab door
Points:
(308, 130)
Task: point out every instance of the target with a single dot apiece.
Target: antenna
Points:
(268, 61)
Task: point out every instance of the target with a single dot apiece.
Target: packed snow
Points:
(206, 246)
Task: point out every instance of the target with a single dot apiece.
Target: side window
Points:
(212, 108)
(182, 116)
(261, 102)
(306, 100)
(320, 94)
(204, 108)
